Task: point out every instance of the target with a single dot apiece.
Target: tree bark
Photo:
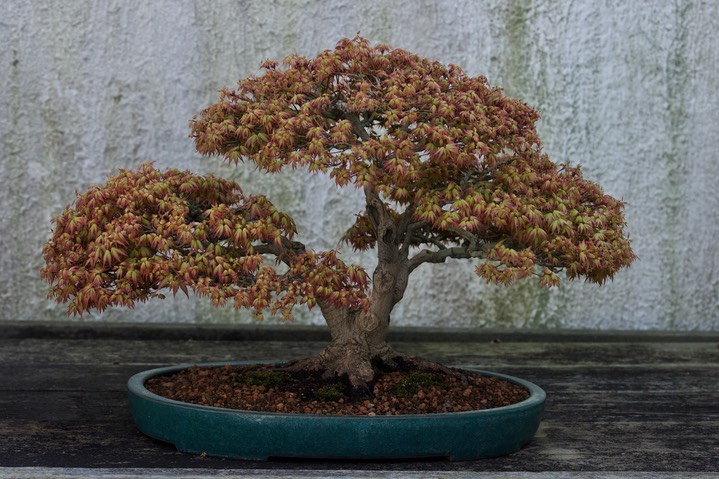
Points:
(359, 337)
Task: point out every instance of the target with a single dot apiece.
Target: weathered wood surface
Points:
(616, 401)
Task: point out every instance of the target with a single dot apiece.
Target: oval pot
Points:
(256, 435)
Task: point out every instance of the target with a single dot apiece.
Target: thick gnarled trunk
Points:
(359, 337)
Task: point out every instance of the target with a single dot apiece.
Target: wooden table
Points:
(630, 404)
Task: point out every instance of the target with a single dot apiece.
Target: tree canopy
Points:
(146, 231)
(455, 165)
(455, 154)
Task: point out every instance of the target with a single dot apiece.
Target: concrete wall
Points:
(627, 89)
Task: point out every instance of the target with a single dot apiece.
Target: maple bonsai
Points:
(450, 168)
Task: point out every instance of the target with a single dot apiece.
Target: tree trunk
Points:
(359, 337)
(359, 342)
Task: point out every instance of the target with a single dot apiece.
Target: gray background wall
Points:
(627, 89)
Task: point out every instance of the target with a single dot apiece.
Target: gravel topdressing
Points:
(271, 389)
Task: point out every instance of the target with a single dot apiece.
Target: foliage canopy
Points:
(450, 168)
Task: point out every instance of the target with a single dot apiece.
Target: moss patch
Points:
(417, 380)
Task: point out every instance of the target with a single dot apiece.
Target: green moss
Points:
(267, 378)
(331, 392)
(416, 380)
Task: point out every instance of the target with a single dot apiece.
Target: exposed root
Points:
(359, 368)
(347, 362)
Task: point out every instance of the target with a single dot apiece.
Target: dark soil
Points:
(267, 388)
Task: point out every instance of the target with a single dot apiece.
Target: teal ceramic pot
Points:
(256, 435)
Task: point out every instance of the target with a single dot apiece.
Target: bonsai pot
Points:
(256, 435)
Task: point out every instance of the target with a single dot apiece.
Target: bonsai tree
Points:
(450, 168)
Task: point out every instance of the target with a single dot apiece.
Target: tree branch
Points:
(340, 107)
(408, 228)
(284, 253)
(439, 256)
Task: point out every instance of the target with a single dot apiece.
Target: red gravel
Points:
(263, 388)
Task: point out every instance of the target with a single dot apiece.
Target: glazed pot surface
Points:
(255, 435)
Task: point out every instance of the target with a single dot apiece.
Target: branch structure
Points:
(450, 167)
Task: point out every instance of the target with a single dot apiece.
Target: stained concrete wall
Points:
(627, 89)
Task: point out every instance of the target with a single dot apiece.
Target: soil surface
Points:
(264, 388)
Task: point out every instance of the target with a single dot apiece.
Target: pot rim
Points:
(136, 384)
